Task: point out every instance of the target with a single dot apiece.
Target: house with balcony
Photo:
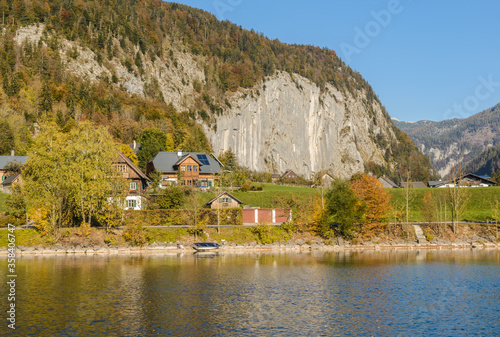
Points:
(195, 169)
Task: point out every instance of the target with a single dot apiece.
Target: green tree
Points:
(6, 138)
(229, 160)
(172, 197)
(152, 142)
(343, 207)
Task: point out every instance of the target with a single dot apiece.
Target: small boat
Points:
(204, 246)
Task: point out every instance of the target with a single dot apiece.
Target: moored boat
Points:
(204, 246)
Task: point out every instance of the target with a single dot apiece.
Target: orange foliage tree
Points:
(374, 198)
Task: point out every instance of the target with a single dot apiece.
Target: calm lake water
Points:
(410, 293)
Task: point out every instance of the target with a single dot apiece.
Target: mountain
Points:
(210, 85)
(487, 163)
(456, 141)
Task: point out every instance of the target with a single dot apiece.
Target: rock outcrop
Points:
(288, 123)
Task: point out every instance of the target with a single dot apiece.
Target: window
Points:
(188, 168)
(134, 186)
(195, 168)
(225, 200)
(183, 168)
(131, 203)
(121, 167)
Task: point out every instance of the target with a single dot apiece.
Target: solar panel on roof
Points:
(203, 159)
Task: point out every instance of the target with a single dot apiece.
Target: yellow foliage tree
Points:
(375, 198)
(129, 153)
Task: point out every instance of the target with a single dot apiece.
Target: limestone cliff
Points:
(288, 123)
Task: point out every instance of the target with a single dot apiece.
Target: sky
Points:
(426, 60)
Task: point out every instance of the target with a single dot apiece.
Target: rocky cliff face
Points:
(288, 123)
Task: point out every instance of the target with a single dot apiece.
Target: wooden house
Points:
(289, 174)
(224, 200)
(192, 168)
(137, 181)
(9, 181)
(6, 161)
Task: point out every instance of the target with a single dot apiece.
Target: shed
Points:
(224, 200)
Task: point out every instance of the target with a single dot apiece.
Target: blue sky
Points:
(424, 59)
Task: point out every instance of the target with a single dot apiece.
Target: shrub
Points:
(135, 235)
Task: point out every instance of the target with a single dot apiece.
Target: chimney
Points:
(179, 153)
(12, 153)
(135, 145)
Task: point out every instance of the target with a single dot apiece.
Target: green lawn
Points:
(2, 202)
(479, 208)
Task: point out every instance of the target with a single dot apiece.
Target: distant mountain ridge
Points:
(455, 141)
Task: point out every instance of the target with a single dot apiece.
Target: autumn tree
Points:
(374, 198)
(458, 196)
(70, 175)
(129, 153)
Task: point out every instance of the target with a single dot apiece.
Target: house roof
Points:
(469, 176)
(166, 162)
(224, 193)
(473, 176)
(131, 164)
(4, 160)
(385, 180)
(413, 184)
(10, 179)
(436, 183)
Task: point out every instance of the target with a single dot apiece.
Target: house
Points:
(275, 177)
(186, 168)
(6, 161)
(137, 181)
(387, 183)
(289, 174)
(467, 180)
(224, 200)
(7, 177)
(413, 184)
(326, 180)
(8, 181)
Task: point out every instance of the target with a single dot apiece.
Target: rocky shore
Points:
(292, 246)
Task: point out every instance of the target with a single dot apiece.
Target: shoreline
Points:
(169, 249)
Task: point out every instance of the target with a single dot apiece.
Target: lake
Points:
(347, 293)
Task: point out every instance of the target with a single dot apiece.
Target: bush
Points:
(135, 235)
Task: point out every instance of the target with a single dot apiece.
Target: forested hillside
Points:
(487, 163)
(126, 65)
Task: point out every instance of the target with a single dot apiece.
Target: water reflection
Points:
(449, 292)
